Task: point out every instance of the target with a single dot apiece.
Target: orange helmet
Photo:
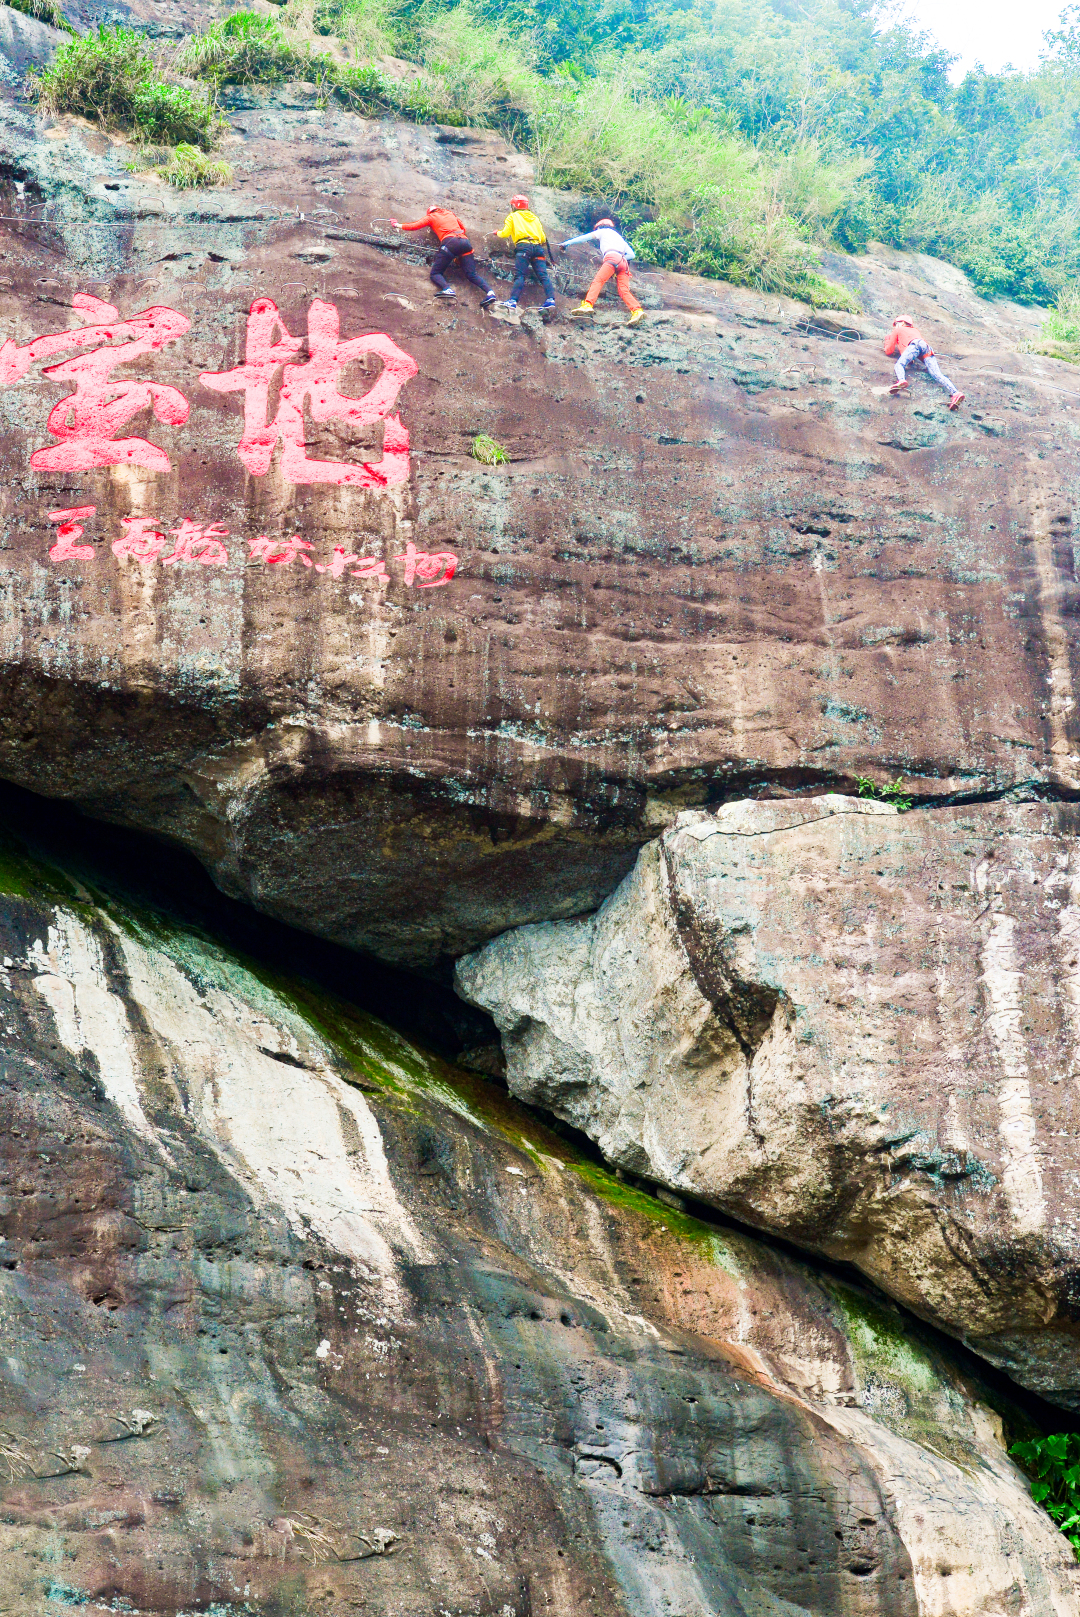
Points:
(609, 222)
(519, 202)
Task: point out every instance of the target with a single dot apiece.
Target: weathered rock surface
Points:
(294, 1318)
(854, 1027)
(719, 553)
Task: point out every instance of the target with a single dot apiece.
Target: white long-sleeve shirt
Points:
(607, 240)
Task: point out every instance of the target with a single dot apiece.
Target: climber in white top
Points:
(616, 253)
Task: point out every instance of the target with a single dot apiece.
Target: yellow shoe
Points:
(636, 317)
(582, 309)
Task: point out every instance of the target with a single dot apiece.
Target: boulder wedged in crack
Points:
(293, 1315)
(855, 1028)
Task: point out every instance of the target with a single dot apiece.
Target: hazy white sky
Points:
(993, 32)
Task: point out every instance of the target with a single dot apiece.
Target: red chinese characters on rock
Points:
(144, 540)
(314, 381)
(273, 551)
(87, 420)
(286, 551)
(198, 541)
(429, 568)
(70, 529)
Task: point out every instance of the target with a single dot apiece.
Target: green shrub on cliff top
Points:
(111, 77)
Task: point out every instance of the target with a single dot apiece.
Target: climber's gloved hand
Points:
(395, 224)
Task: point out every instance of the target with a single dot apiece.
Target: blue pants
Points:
(920, 350)
(530, 255)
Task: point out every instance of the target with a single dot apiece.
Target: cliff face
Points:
(719, 553)
(295, 1317)
(848, 1025)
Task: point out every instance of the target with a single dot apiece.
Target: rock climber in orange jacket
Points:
(911, 347)
(454, 248)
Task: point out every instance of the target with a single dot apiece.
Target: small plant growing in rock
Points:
(1053, 1463)
(188, 168)
(892, 793)
(111, 77)
(487, 451)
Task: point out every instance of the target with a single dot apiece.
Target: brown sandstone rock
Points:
(719, 553)
(851, 1026)
(273, 1342)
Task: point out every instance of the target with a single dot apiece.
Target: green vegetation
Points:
(188, 167)
(1053, 1462)
(110, 76)
(487, 451)
(365, 28)
(742, 137)
(1060, 335)
(739, 139)
(42, 11)
(893, 793)
(245, 48)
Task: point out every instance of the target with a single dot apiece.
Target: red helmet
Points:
(600, 222)
(519, 202)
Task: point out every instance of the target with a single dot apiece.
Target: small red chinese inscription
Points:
(273, 551)
(87, 420)
(429, 568)
(70, 529)
(199, 541)
(144, 539)
(314, 382)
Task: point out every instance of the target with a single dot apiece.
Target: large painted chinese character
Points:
(315, 380)
(87, 420)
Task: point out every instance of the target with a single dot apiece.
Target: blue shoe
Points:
(550, 304)
(490, 298)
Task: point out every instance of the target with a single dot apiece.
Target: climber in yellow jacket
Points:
(525, 231)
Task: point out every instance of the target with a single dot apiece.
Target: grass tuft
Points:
(189, 168)
(487, 451)
(111, 77)
(246, 48)
(42, 11)
(1060, 334)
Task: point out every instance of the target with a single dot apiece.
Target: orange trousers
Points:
(614, 264)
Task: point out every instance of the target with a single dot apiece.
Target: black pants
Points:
(456, 249)
(531, 255)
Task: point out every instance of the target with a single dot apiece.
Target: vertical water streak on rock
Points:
(1001, 979)
(1061, 704)
(89, 1018)
(1069, 955)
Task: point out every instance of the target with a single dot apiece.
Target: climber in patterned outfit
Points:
(616, 254)
(911, 347)
(525, 231)
(454, 248)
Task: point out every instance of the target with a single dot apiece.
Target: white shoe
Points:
(446, 292)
